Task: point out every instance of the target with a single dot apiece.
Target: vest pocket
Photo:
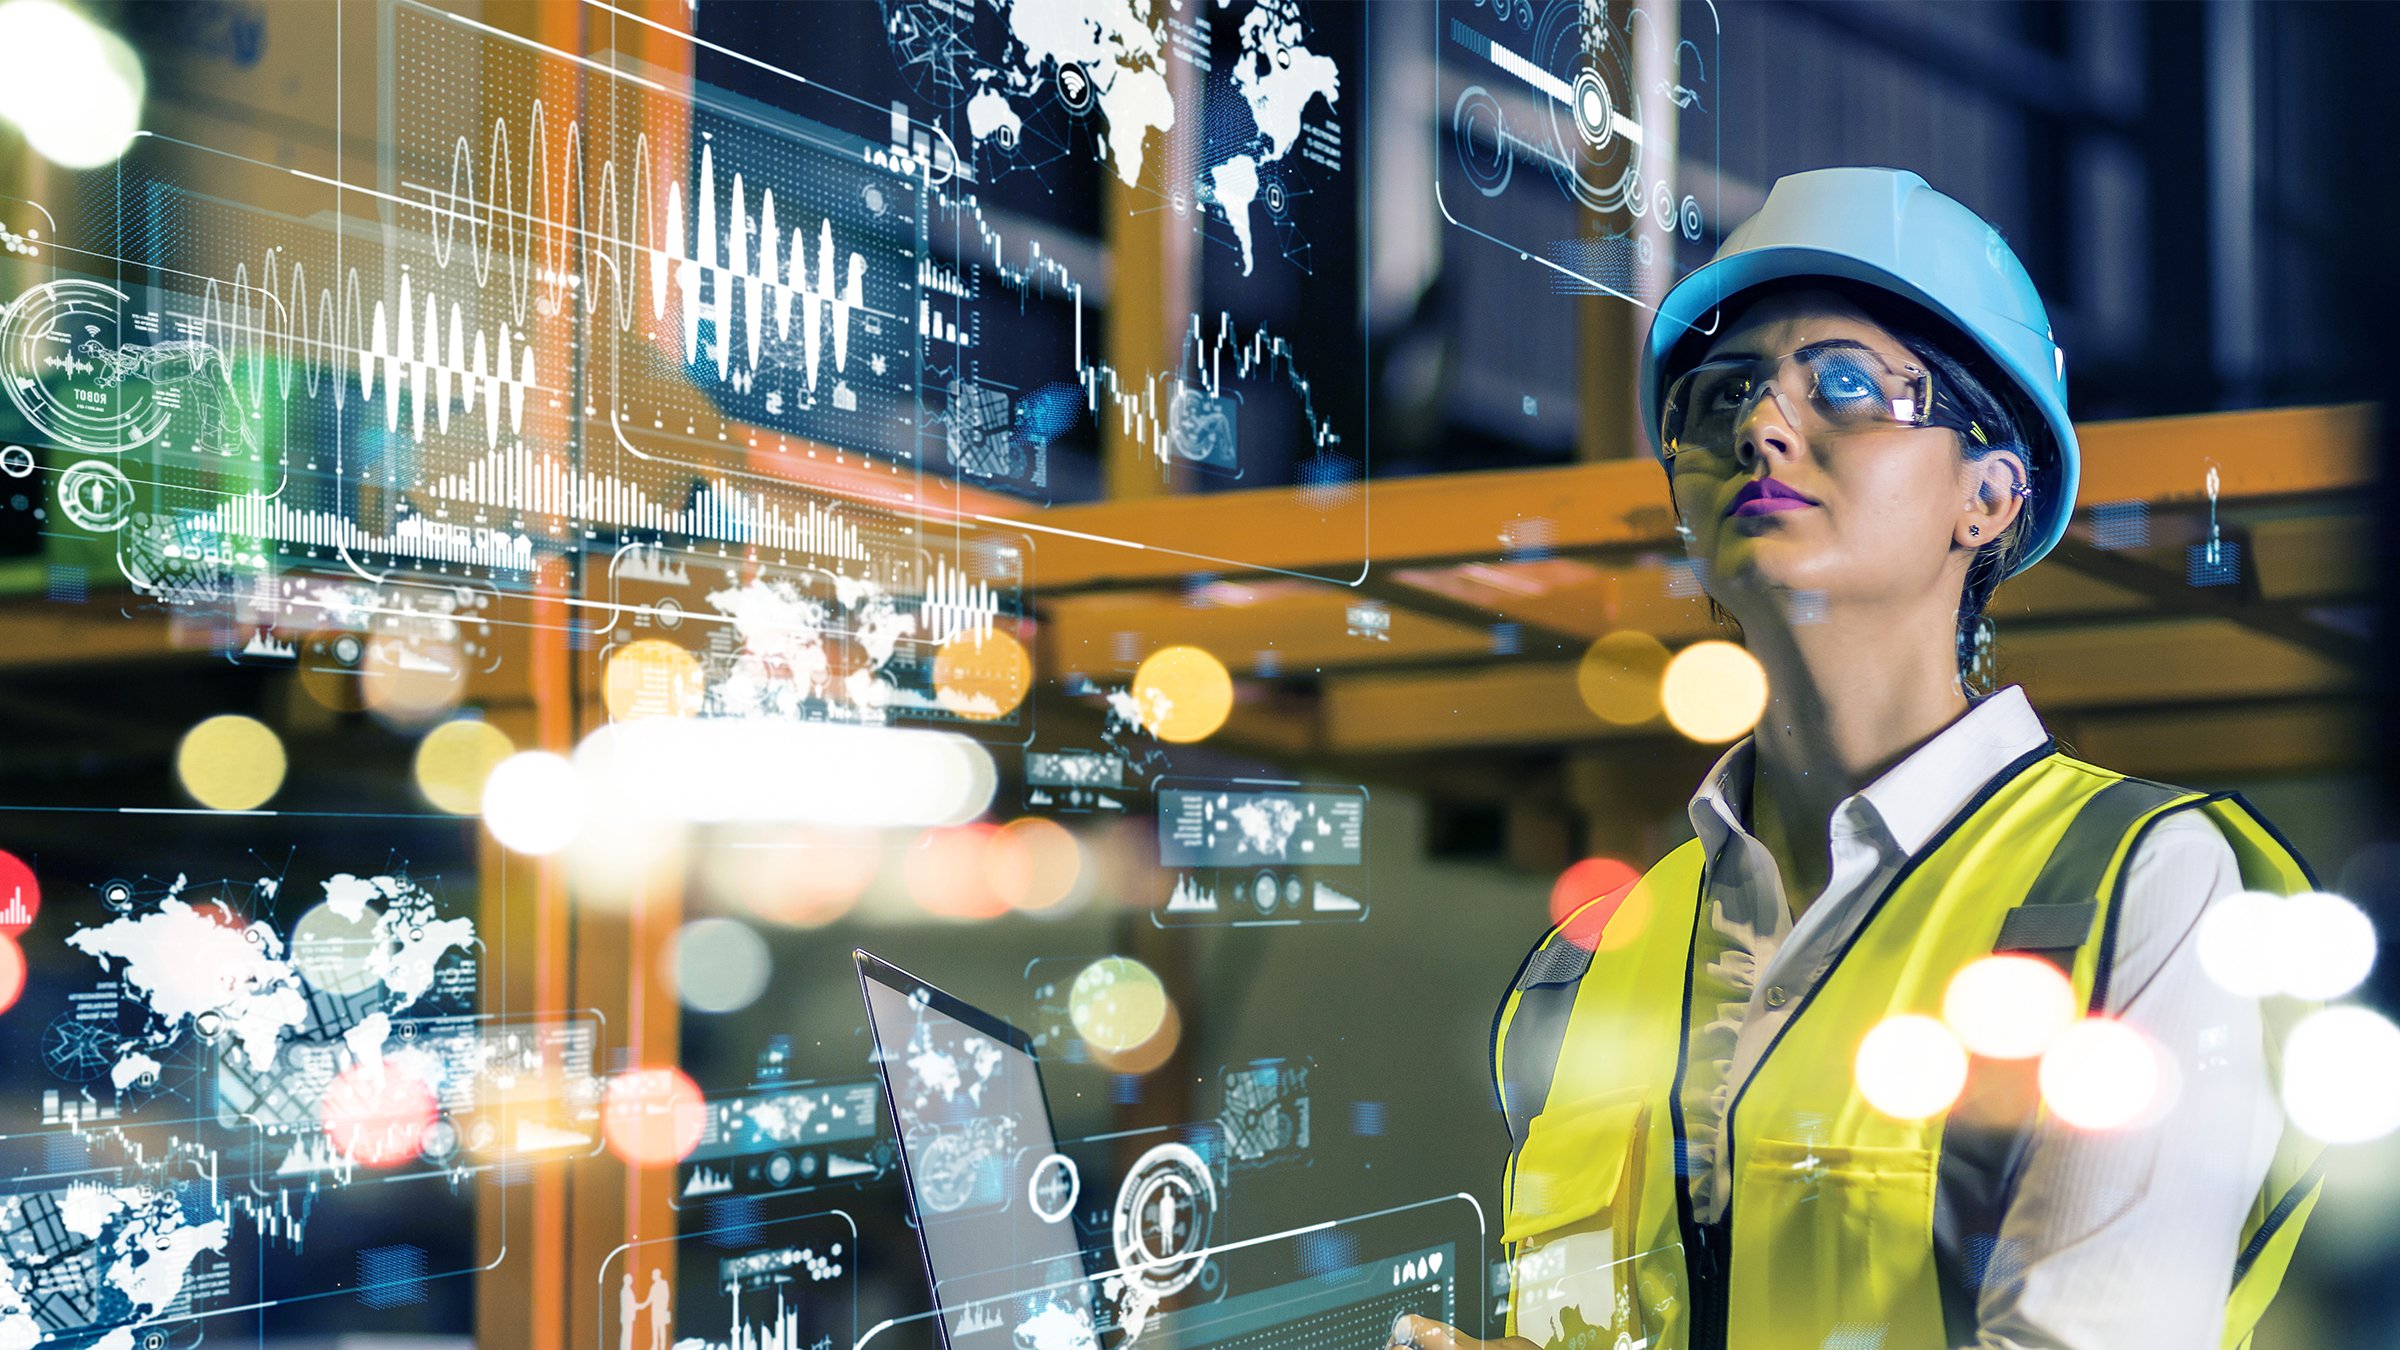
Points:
(1573, 1209)
(1830, 1240)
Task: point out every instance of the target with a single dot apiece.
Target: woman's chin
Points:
(1769, 565)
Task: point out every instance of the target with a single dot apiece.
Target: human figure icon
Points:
(627, 1307)
(659, 1302)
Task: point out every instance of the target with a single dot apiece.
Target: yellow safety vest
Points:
(1846, 1227)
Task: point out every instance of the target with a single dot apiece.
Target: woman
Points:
(1863, 421)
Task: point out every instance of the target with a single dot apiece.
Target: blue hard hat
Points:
(1887, 229)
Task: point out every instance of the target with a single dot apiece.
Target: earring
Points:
(1974, 529)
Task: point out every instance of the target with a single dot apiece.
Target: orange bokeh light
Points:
(653, 1117)
(946, 873)
(1032, 864)
(809, 877)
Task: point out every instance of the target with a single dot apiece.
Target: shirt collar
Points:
(1914, 797)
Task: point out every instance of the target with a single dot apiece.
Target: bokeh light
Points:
(982, 677)
(2341, 1075)
(376, 1113)
(330, 660)
(2009, 1007)
(73, 88)
(1151, 1053)
(1583, 882)
(1910, 1067)
(707, 770)
(2327, 947)
(944, 873)
(12, 971)
(1619, 677)
(1713, 691)
(2237, 940)
(230, 762)
(454, 761)
(651, 678)
(1184, 694)
(801, 876)
(1033, 864)
(408, 681)
(652, 1117)
(2314, 945)
(718, 965)
(20, 894)
(533, 802)
(1117, 1004)
(2101, 1074)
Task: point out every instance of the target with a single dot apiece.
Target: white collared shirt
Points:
(2091, 1253)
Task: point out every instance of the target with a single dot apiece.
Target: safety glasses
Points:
(1836, 385)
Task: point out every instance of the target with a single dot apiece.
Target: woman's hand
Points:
(1423, 1333)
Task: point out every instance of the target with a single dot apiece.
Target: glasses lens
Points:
(1704, 406)
(1851, 387)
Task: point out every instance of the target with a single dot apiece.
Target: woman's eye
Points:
(1728, 394)
(1845, 385)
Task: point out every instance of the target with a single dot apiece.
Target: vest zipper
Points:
(1704, 1266)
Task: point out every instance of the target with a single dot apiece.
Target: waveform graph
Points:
(778, 1284)
(555, 498)
(747, 276)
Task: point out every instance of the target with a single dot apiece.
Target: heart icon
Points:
(1437, 1263)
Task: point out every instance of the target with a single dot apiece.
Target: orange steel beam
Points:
(1621, 505)
(2174, 662)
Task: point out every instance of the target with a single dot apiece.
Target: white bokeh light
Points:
(533, 802)
(2326, 948)
(706, 770)
(2341, 1075)
(1911, 1067)
(718, 965)
(2101, 1075)
(2009, 1007)
(74, 88)
(2238, 939)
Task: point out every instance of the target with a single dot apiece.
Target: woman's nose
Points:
(1767, 428)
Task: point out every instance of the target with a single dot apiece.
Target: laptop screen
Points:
(993, 1201)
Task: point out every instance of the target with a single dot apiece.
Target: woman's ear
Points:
(1996, 490)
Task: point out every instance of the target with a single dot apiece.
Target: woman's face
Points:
(1885, 512)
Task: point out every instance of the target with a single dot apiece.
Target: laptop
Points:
(992, 1197)
(993, 1202)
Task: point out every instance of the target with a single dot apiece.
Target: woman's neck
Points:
(1850, 696)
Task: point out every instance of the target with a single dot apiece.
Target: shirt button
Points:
(1776, 998)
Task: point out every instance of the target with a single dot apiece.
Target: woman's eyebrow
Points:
(1821, 344)
(1837, 343)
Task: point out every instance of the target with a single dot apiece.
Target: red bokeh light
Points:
(653, 1117)
(1584, 882)
(20, 895)
(377, 1114)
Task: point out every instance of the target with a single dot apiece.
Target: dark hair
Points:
(1989, 402)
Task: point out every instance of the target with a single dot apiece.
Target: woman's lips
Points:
(1759, 506)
